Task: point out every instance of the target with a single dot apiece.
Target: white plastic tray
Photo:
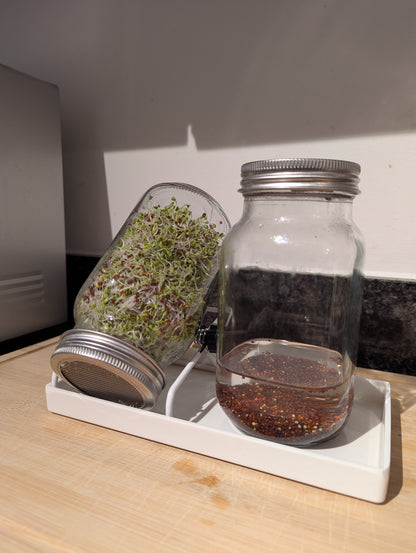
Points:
(355, 463)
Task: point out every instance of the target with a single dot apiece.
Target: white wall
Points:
(187, 90)
(384, 210)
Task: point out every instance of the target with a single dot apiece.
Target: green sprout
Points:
(151, 289)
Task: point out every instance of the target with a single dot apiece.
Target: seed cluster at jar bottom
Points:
(286, 399)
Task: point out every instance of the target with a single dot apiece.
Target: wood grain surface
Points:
(67, 486)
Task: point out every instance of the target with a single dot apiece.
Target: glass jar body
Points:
(150, 287)
(290, 295)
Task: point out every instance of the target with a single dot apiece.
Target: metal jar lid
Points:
(299, 175)
(105, 367)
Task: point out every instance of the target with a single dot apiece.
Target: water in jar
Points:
(283, 391)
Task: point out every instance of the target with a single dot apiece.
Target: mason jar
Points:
(290, 297)
(139, 309)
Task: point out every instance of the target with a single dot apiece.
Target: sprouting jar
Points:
(139, 309)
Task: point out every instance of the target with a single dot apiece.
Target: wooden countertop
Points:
(67, 486)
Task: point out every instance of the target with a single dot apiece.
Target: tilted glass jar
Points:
(290, 300)
(139, 309)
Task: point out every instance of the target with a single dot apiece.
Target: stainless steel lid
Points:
(105, 367)
(298, 175)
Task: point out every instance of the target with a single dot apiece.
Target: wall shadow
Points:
(239, 72)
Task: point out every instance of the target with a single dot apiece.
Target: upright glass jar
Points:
(139, 309)
(290, 301)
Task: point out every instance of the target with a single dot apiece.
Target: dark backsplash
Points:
(387, 328)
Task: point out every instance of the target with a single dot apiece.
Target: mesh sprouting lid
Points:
(300, 175)
(105, 367)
